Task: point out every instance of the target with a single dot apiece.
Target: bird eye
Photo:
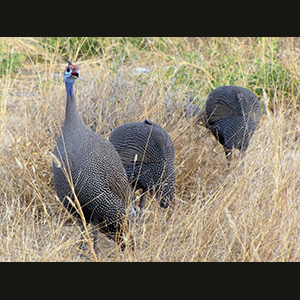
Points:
(68, 70)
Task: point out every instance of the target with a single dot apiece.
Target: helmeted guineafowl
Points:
(232, 113)
(88, 165)
(148, 155)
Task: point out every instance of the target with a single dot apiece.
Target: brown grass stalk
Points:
(246, 212)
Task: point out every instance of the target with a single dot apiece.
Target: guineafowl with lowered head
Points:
(87, 168)
(232, 113)
(148, 155)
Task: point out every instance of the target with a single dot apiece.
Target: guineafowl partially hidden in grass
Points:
(88, 168)
(148, 155)
(232, 113)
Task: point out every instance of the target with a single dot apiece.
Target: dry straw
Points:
(248, 212)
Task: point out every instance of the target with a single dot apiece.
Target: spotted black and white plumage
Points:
(89, 163)
(148, 155)
(232, 113)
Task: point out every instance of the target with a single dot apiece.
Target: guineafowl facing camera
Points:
(232, 113)
(88, 168)
(148, 155)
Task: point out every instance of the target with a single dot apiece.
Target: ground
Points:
(246, 212)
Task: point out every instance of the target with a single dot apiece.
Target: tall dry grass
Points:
(246, 212)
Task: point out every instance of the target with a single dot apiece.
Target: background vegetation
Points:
(248, 212)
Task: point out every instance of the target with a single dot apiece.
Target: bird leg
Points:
(82, 231)
(243, 159)
(95, 236)
(95, 239)
(143, 200)
(142, 204)
(228, 154)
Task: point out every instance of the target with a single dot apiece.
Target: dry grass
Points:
(248, 212)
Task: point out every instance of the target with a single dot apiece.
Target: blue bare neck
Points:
(72, 118)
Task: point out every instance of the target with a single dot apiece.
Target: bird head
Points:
(72, 73)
